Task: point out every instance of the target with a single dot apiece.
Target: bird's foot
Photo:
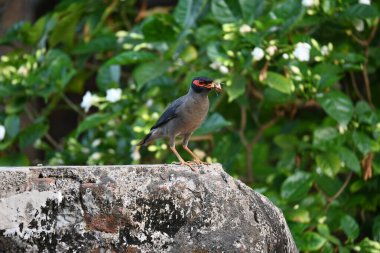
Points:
(199, 162)
(194, 162)
(187, 164)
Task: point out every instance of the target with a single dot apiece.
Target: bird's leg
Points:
(181, 161)
(185, 141)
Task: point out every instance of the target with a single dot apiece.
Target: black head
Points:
(202, 84)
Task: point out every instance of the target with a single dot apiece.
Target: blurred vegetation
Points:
(299, 120)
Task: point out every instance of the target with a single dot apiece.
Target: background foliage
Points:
(300, 123)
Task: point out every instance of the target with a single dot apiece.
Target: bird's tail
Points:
(145, 141)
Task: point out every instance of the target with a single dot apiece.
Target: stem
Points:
(72, 105)
(263, 128)
(51, 140)
(248, 146)
(365, 44)
(338, 193)
(355, 85)
(365, 77)
(105, 15)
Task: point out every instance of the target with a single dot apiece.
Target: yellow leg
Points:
(197, 160)
(181, 161)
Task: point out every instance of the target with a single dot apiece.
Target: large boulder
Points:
(135, 208)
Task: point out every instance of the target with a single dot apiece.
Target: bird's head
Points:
(204, 84)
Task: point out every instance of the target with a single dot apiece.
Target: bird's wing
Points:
(169, 113)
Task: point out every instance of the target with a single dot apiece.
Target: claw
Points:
(199, 162)
(187, 164)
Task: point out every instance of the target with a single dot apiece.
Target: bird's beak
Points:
(216, 86)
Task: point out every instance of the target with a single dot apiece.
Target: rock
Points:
(135, 208)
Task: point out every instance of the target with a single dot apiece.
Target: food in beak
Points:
(216, 86)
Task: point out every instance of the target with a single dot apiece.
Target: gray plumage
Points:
(183, 117)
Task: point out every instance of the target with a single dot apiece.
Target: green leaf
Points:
(328, 185)
(226, 11)
(329, 163)
(131, 57)
(16, 105)
(237, 88)
(329, 73)
(159, 28)
(286, 141)
(364, 113)
(146, 72)
(12, 124)
(324, 136)
(65, 28)
(14, 160)
(274, 97)
(32, 133)
(108, 77)
(189, 54)
(361, 11)
(362, 142)
(327, 247)
(251, 9)
(376, 228)
(290, 12)
(369, 246)
(296, 186)
(53, 75)
(187, 12)
(337, 105)
(349, 226)
(350, 160)
(93, 121)
(206, 33)
(230, 11)
(216, 52)
(323, 230)
(279, 82)
(212, 124)
(97, 45)
(312, 241)
(299, 215)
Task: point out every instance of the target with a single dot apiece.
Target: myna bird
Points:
(183, 117)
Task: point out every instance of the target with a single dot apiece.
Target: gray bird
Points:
(183, 117)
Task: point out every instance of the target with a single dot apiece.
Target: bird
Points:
(182, 117)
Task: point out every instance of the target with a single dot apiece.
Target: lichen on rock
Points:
(142, 208)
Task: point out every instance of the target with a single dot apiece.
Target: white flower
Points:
(285, 56)
(96, 143)
(113, 95)
(245, 29)
(302, 51)
(325, 50)
(310, 3)
(367, 2)
(23, 70)
(271, 50)
(2, 132)
(215, 65)
(110, 134)
(223, 69)
(95, 156)
(135, 155)
(88, 100)
(149, 103)
(257, 54)
(359, 25)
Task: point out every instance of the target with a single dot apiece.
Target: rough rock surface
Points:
(142, 208)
